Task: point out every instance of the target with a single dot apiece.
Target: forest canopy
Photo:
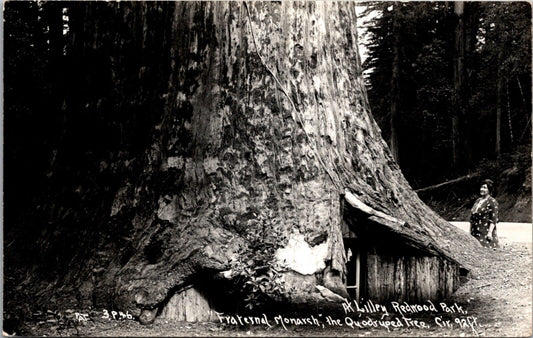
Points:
(449, 83)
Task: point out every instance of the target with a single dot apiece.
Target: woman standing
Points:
(484, 217)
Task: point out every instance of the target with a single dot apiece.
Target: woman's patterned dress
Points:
(484, 212)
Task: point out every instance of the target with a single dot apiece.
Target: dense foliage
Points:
(496, 43)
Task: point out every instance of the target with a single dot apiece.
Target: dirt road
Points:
(509, 232)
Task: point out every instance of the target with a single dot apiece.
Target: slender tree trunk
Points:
(509, 120)
(395, 90)
(528, 116)
(458, 116)
(471, 27)
(499, 85)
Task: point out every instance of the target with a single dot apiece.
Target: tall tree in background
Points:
(458, 80)
(504, 50)
(455, 64)
(498, 128)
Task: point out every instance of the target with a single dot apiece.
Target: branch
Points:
(436, 186)
(369, 211)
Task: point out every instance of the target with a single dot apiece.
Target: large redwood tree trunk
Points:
(222, 121)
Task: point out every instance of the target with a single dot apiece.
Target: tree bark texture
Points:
(458, 79)
(236, 119)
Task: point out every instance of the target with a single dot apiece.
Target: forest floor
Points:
(497, 302)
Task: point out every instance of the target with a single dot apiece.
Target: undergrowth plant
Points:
(255, 272)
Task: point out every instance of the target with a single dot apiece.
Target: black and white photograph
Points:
(267, 168)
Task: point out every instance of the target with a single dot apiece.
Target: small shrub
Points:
(255, 272)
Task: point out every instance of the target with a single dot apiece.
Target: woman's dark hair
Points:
(490, 185)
